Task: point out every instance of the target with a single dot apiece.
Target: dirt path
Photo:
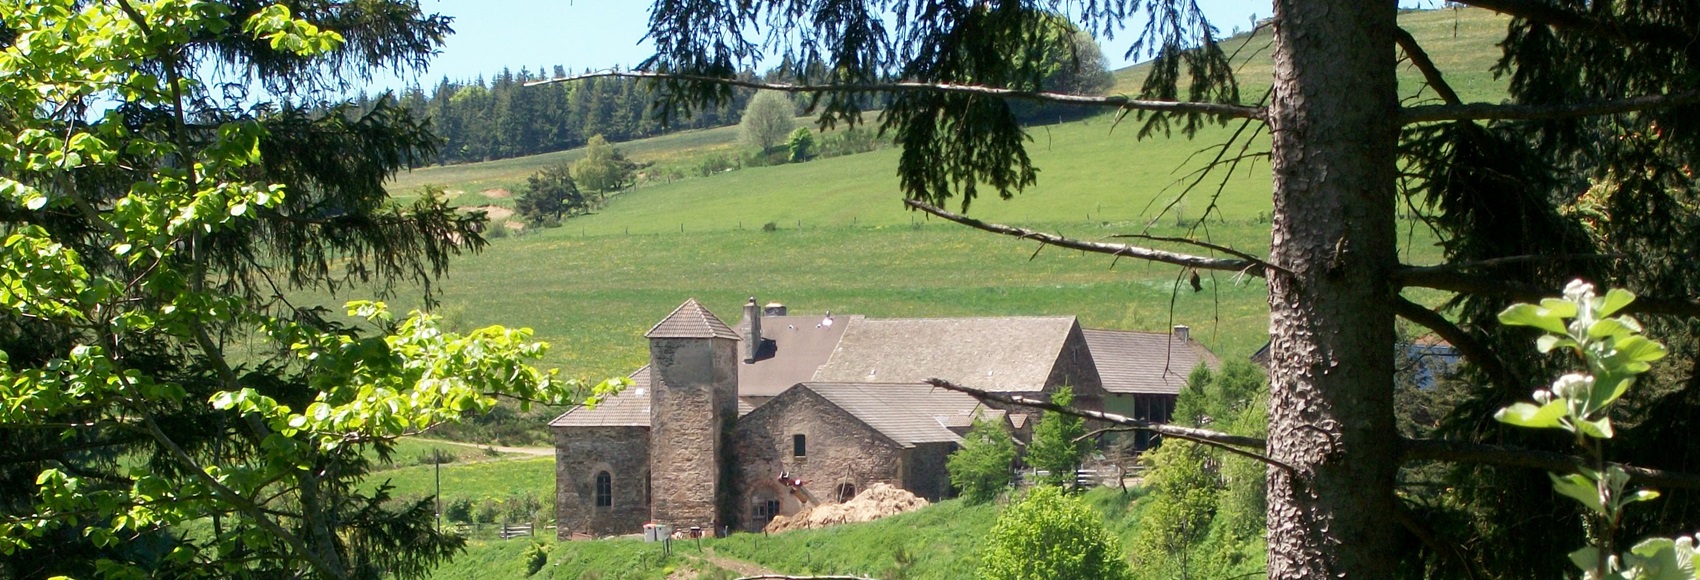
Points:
(532, 451)
(739, 567)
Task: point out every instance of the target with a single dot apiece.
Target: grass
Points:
(939, 541)
(604, 560)
(416, 451)
(477, 480)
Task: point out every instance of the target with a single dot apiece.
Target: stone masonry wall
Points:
(839, 449)
(581, 453)
(926, 474)
(693, 399)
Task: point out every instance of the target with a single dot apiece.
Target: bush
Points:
(536, 555)
(459, 511)
(770, 227)
(497, 230)
(801, 145)
(1051, 535)
(1057, 446)
(487, 511)
(981, 469)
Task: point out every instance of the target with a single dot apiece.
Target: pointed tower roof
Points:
(691, 320)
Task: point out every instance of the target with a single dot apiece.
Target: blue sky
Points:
(597, 34)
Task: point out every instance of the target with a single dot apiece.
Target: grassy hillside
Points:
(843, 242)
(941, 541)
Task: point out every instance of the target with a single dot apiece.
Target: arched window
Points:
(604, 490)
(846, 492)
(799, 446)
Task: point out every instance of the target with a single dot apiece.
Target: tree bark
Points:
(1334, 119)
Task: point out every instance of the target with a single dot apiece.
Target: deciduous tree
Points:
(603, 168)
(154, 371)
(767, 120)
(984, 466)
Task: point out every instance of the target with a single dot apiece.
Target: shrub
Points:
(1057, 446)
(497, 230)
(1051, 535)
(487, 511)
(981, 469)
(801, 145)
(770, 227)
(536, 555)
(459, 511)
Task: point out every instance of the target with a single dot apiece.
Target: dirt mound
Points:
(878, 501)
(497, 193)
(496, 213)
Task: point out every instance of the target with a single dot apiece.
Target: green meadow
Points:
(838, 238)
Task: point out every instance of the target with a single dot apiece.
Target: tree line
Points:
(480, 120)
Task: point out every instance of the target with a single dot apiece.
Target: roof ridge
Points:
(691, 320)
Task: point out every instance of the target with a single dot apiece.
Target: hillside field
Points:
(841, 240)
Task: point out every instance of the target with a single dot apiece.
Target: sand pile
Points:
(878, 501)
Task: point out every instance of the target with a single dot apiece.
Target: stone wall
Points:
(925, 472)
(693, 402)
(839, 449)
(581, 453)
(1074, 368)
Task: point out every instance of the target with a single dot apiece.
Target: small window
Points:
(799, 447)
(604, 490)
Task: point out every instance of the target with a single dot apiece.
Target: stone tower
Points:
(693, 360)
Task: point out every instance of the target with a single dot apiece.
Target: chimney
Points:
(1183, 333)
(773, 309)
(752, 340)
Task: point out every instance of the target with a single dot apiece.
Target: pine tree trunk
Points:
(1334, 120)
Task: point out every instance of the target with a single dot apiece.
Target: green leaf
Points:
(1661, 559)
(1586, 558)
(1612, 302)
(1600, 429)
(1528, 415)
(1547, 342)
(1531, 315)
(1580, 488)
(1641, 495)
(1608, 327)
(35, 202)
(1639, 349)
(1559, 307)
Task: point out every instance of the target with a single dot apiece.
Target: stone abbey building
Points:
(727, 427)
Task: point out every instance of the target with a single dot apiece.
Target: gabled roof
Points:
(1007, 354)
(1145, 362)
(691, 320)
(908, 414)
(793, 348)
(628, 408)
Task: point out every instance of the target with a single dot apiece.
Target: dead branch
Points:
(1412, 449)
(1484, 454)
(1224, 441)
(1473, 350)
(1112, 102)
(1451, 280)
(1492, 111)
(1254, 268)
(1431, 73)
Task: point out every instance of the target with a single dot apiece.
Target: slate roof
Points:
(628, 408)
(691, 320)
(793, 348)
(1006, 354)
(908, 414)
(1145, 362)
